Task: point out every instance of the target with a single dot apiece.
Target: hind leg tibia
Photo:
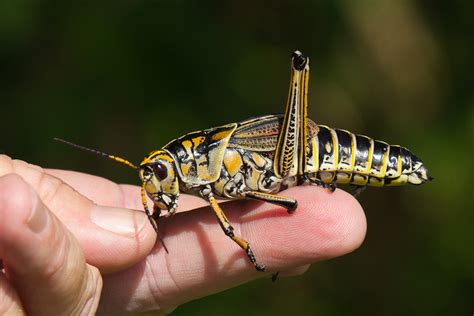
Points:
(283, 201)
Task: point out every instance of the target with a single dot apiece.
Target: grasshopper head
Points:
(157, 172)
(160, 180)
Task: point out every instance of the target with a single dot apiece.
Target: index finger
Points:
(202, 260)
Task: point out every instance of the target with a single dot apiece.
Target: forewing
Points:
(258, 134)
(261, 133)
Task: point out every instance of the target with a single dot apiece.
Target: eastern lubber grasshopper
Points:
(257, 158)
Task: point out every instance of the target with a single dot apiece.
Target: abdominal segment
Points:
(339, 156)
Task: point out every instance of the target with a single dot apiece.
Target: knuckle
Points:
(88, 297)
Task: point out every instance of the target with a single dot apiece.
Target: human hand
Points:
(49, 265)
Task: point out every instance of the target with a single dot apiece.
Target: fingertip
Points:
(325, 225)
(352, 222)
(341, 219)
(17, 200)
(122, 238)
(15, 192)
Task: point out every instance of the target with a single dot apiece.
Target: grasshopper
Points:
(257, 158)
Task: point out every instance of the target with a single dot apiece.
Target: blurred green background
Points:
(128, 76)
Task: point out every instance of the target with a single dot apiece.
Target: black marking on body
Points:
(380, 149)
(326, 146)
(392, 162)
(359, 179)
(362, 151)
(405, 156)
(345, 150)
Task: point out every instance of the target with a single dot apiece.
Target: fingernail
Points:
(39, 216)
(117, 220)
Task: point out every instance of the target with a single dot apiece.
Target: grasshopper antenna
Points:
(100, 153)
(125, 162)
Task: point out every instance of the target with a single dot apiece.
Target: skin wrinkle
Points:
(152, 288)
(59, 261)
(171, 274)
(128, 197)
(12, 309)
(89, 304)
(57, 266)
(8, 163)
(123, 204)
(25, 164)
(74, 178)
(99, 285)
(47, 189)
(91, 286)
(21, 167)
(52, 268)
(48, 186)
(344, 231)
(238, 231)
(264, 243)
(343, 238)
(118, 191)
(354, 244)
(82, 301)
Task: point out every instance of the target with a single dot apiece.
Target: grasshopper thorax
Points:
(160, 179)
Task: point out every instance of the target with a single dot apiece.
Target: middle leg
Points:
(228, 229)
(315, 181)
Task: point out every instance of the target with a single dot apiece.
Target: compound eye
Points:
(160, 170)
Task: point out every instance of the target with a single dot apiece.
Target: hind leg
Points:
(286, 202)
(290, 152)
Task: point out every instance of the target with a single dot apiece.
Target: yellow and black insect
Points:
(257, 158)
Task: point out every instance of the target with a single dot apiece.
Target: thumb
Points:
(43, 261)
